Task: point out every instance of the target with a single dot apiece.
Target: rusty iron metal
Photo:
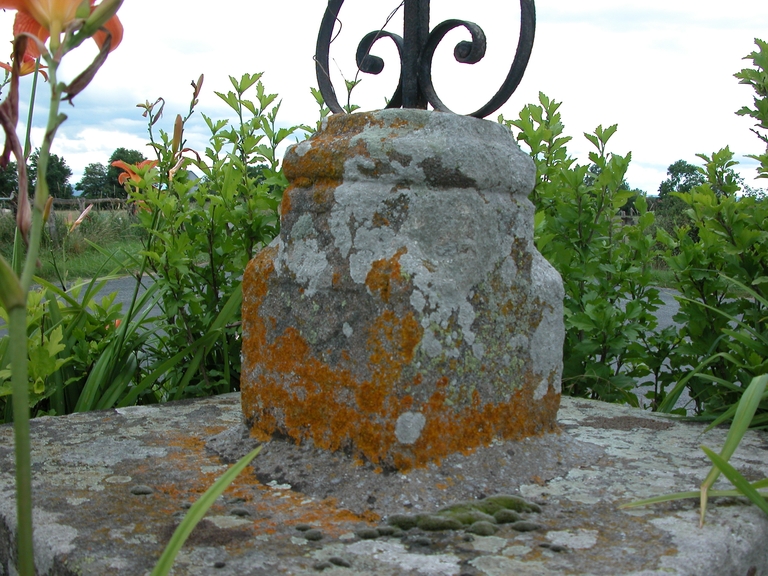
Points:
(416, 48)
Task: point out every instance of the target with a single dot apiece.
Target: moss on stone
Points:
(483, 528)
(436, 522)
(403, 521)
(505, 516)
(493, 504)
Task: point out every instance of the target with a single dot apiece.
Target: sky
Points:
(660, 69)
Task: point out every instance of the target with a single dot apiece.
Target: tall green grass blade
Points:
(163, 368)
(228, 311)
(197, 512)
(694, 494)
(747, 406)
(741, 483)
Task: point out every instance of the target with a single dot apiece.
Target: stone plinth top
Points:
(403, 313)
(93, 520)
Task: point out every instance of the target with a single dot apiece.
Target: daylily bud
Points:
(11, 292)
(83, 10)
(197, 86)
(81, 218)
(101, 15)
(178, 129)
(47, 211)
(24, 215)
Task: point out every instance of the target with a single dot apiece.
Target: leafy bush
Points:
(202, 231)
(604, 262)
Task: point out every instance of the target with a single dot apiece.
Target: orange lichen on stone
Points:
(300, 395)
(384, 273)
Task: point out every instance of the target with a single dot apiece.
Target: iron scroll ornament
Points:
(416, 49)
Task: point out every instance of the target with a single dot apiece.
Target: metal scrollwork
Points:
(417, 49)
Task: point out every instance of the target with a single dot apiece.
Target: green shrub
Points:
(201, 233)
(604, 262)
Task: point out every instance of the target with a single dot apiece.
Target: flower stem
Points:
(17, 346)
(28, 136)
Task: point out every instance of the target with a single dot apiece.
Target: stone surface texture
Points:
(90, 523)
(403, 313)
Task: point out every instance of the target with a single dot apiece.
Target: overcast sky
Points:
(660, 69)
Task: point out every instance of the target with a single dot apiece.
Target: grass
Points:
(87, 263)
(68, 252)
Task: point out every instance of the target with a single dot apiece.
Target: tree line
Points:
(101, 181)
(98, 181)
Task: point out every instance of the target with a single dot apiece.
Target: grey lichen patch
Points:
(409, 426)
(308, 263)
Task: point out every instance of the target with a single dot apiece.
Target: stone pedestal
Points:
(403, 313)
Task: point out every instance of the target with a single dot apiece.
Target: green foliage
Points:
(722, 273)
(202, 232)
(9, 180)
(757, 78)
(57, 175)
(682, 176)
(83, 351)
(605, 264)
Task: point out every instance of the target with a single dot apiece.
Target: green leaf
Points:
(741, 483)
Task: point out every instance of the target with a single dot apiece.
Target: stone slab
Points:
(89, 521)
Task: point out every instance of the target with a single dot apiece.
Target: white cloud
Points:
(662, 70)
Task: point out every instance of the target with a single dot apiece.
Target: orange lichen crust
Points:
(288, 388)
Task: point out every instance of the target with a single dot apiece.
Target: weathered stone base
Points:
(403, 313)
(86, 468)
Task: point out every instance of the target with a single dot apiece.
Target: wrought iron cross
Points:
(417, 48)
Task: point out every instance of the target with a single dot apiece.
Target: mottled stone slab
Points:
(91, 520)
(403, 313)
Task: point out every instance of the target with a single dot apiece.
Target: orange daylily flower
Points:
(129, 173)
(45, 18)
(27, 66)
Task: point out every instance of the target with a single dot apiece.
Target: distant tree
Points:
(57, 175)
(9, 180)
(95, 182)
(682, 176)
(114, 189)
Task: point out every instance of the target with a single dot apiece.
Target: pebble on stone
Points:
(483, 528)
(141, 490)
(553, 547)
(367, 533)
(313, 535)
(338, 561)
(525, 526)
(303, 527)
(240, 511)
(219, 564)
(320, 566)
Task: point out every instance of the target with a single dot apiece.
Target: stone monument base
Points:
(403, 313)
